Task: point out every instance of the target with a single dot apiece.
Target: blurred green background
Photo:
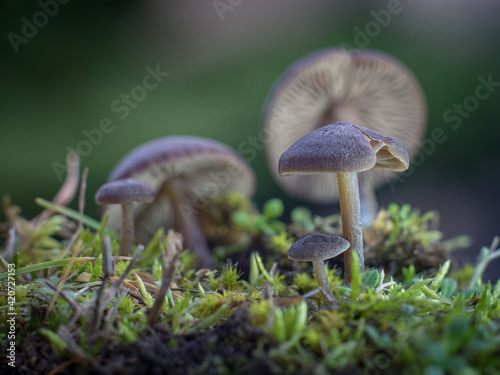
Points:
(222, 58)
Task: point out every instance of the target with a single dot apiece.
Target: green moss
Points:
(417, 320)
(228, 280)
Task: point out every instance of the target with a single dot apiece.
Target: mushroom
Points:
(317, 248)
(125, 192)
(365, 87)
(184, 173)
(346, 149)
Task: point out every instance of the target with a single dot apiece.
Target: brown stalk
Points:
(173, 250)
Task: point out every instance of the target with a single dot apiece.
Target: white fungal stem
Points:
(186, 222)
(344, 112)
(367, 200)
(127, 229)
(351, 220)
(324, 285)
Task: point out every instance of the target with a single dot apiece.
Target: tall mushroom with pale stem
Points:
(365, 87)
(346, 149)
(184, 174)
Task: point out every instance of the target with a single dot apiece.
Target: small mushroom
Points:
(184, 173)
(317, 248)
(125, 192)
(346, 149)
(364, 87)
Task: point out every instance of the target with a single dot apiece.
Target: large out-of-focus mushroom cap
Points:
(365, 87)
(342, 147)
(318, 246)
(124, 191)
(205, 168)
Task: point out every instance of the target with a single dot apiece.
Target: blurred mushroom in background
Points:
(184, 174)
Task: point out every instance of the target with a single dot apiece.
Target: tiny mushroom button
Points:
(184, 173)
(365, 87)
(125, 192)
(346, 149)
(317, 248)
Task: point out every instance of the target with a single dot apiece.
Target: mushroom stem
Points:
(344, 112)
(351, 220)
(325, 288)
(186, 222)
(367, 200)
(127, 229)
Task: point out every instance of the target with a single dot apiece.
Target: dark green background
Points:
(65, 78)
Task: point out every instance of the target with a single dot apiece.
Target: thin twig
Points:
(81, 291)
(73, 347)
(194, 291)
(4, 265)
(75, 306)
(269, 289)
(81, 208)
(108, 269)
(105, 297)
(494, 243)
(61, 282)
(311, 293)
(484, 258)
(9, 249)
(174, 249)
(113, 311)
(68, 189)
(62, 366)
(24, 229)
(381, 285)
(138, 252)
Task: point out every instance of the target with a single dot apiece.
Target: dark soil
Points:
(233, 347)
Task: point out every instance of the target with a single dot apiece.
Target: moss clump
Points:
(402, 237)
